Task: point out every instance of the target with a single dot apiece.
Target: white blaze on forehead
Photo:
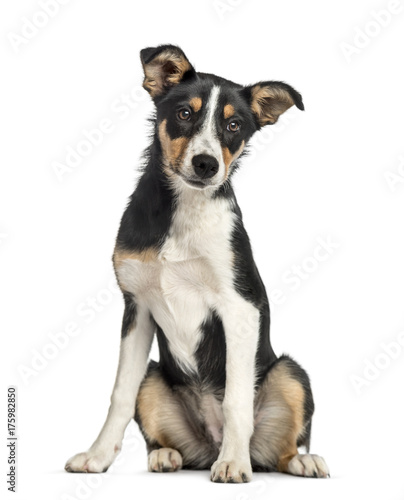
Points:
(206, 141)
(208, 127)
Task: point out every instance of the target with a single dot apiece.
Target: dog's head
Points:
(204, 122)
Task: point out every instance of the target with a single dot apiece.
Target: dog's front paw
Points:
(90, 461)
(232, 471)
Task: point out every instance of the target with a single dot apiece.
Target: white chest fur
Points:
(191, 275)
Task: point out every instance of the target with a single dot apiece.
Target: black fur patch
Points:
(210, 357)
(147, 218)
(211, 353)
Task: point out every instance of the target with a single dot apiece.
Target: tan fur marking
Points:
(151, 404)
(228, 111)
(173, 149)
(293, 393)
(147, 256)
(274, 436)
(268, 103)
(228, 158)
(196, 104)
(165, 70)
(284, 461)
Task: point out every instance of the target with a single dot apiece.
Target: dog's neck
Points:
(199, 217)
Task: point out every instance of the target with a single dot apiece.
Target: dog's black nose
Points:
(205, 166)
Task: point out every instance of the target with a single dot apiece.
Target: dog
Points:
(219, 398)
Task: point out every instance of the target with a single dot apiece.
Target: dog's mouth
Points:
(193, 181)
(196, 183)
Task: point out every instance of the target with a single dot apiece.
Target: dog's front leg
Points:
(137, 336)
(241, 324)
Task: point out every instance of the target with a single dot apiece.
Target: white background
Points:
(319, 174)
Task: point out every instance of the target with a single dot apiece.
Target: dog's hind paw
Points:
(308, 466)
(164, 460)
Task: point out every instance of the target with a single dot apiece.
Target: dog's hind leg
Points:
(137, 336)
(283, 412)
(171, 421)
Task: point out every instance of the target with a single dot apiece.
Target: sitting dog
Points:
(219, 397)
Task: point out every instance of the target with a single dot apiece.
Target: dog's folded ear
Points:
(269, 100)
(164, 67)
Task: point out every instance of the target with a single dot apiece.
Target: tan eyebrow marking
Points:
(228, 111)
(196, 104)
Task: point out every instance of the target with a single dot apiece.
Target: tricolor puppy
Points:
(218, 398)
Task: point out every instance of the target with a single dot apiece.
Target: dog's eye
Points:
(233, 126)
(184, 114)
